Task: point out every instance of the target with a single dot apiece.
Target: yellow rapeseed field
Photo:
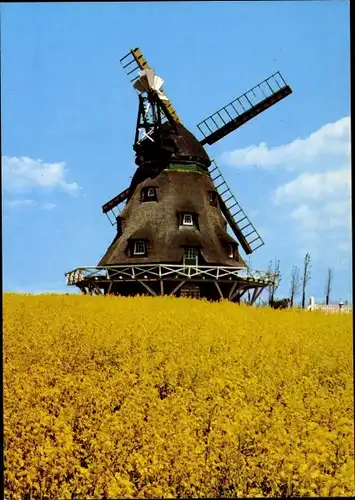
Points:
(164, 397)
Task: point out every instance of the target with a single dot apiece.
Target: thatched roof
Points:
(187, 237)
(143, 233)
(225, 238)
(158, 222)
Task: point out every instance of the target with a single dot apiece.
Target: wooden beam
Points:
(147, 287)
(256, 294)
(243, 292)
(236, 293)
(143, 64)
(219, 289)
(177, 287)
(115, 201)
(232, 290)
(253, 296)
(161, 287)
(234, 227)
(94, 288)
(247, 115)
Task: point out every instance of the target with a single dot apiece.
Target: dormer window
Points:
(213, 198)
(187, 220)
(149, 194)
(139, 248)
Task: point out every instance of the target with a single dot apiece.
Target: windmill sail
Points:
(115, 201)
(109, 207)
(238, 221)
(133, 63)
(244, 108)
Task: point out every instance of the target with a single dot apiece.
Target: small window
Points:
(213, 198)
(191, 256)
(148, 194)
(190, 253)
(139, 248)
(187, 220)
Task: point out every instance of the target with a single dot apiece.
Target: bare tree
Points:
(295, 284)
(274, 268)
(306, 277)
(328, 286)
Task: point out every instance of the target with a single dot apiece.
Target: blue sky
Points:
(69, 114)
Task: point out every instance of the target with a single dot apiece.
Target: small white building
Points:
(340, 307)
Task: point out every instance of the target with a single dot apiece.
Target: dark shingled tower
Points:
(172, 232)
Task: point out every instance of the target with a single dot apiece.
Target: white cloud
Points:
(323, 218)
(323, 147)
(22, 174)
(315, 202)
(319, 199)
(315, 186)
(21, 203)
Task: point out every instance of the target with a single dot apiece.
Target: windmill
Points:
(171, 222)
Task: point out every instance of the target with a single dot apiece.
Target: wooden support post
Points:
(232, 290)
(219, 289)
(243, 292)
(256, 294)
(177, 288)
(235, 293)
(109, 288)
(161, 287)
(94, 289)
(147, 287)
(253, 296)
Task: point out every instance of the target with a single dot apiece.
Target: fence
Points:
(331, 308)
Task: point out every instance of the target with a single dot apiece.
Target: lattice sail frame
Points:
(243, 108)
(132, 63)
(247, 235)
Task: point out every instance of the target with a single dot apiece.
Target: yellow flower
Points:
(163, 398)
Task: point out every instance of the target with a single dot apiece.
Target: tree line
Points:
(300, 279)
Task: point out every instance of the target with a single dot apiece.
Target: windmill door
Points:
(190, 256)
